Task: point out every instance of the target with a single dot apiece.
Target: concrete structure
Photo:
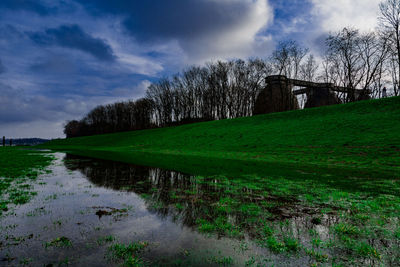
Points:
(278, 95)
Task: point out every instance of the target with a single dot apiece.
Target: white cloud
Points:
(140, 65)
(134, 92)
(337, 14)
(38, 128)
(238, 40)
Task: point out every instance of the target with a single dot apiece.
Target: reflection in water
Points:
(190, 198)
(69, 207)
(302, 217)
(167, 193)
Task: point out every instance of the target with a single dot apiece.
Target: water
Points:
(86, 200)
(78, 188)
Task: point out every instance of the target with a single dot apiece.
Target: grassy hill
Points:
(364, 134)
(272, 178)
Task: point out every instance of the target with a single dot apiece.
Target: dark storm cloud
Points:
(2, 68)
(72, 36)
(26, 5)
(160, 19)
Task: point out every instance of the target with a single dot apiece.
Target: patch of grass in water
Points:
(205, 226)
(291, 244)
(105, 239)
(366, 250)
(397, 234)
(19, 197)
(274, 245)
(220, 225)
(267, 231)
(346, 229)
(26, 261)
(129, 254)
(222, 261)
(60, 242)
(51, 197)
(179, 206)
(250, 209)
(317, 255)
(37, 212)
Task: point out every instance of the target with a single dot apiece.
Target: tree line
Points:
(228, 89)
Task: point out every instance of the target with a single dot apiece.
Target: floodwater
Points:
(85, 200)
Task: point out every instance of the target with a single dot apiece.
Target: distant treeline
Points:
(26, 141)
(217, 91)
(228, 89)
(117, 117)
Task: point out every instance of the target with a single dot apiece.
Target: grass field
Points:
(362, 135)
(18, 167)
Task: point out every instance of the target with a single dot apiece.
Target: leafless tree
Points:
(287, 58)
(308, 70)
(355, 60)
(389, 22)
(342, 51)
(374, 51)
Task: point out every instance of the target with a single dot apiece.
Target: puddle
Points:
(87, 205)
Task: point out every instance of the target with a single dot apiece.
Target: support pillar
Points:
(276, 97)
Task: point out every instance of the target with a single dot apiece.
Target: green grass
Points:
(359, 225)
(339, 162)
(362, 135)
(17, 162)
(17, 168)
(127, 254)
(61, 242)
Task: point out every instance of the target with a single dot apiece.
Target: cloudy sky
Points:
(61, 58)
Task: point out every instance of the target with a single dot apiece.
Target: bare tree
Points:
(373, 51)
(389, 22)
(355, 60)
(345, 59)
(287, 58)
(308, 70)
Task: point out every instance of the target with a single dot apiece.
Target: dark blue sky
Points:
(60, 58)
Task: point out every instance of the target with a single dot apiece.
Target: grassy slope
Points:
(363, 134)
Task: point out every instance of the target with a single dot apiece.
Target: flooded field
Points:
(92, 212)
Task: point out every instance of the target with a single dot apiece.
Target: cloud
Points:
(335, 15)
(54, 64)
(26, 5)
(23, 115)
(134, 92)
(2, 68)
(38, 128)
(139, 65)
(27, 115)
(17, 106)
(203, 28)
(72, 36)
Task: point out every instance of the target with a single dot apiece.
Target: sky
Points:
(61, 58)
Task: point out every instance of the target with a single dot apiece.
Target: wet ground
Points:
(87, 212)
